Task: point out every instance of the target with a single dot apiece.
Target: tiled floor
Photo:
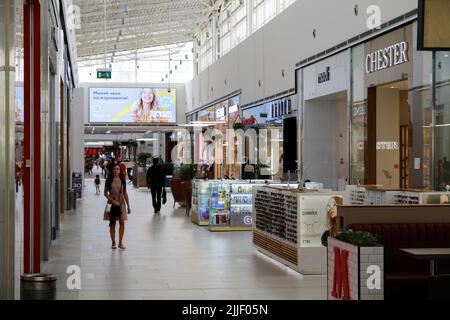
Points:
(167, 257)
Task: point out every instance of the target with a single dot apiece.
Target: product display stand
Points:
(288, 225)
(224, 205)
(377, 195)
(200, 202)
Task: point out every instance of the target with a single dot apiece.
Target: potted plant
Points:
(142, 159)
(139, 179)
(355, 267)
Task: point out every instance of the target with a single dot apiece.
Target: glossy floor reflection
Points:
(166, 257)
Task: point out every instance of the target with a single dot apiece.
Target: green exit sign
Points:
(103, 74)
(263, 115)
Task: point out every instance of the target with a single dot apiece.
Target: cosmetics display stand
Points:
(225, 205)
(288, 225)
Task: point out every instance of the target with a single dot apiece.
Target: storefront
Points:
(391, 134)
(210, 146)
(324, 143)
(378, 114)
(279, 118)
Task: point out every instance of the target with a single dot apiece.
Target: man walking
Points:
(156, 181)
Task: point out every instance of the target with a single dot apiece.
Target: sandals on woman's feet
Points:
(113, 246)
(121, 246)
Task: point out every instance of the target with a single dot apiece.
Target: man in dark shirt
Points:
(156, 181)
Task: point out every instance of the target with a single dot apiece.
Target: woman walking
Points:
(116, 193)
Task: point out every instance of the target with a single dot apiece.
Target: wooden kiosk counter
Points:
(288, 225)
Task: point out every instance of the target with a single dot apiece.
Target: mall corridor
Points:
(166, 257)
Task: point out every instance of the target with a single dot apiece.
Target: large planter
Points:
(354, 273)
(177, 192)
(186, 186)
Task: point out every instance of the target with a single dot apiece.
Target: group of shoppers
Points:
(118, 204)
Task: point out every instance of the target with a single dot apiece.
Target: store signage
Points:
(341, 288)
(263, 115)
(220, 113)
(77, 184)
(248, 220)
(233, 109)
(388, 57)
(324, 76)
(387, 145)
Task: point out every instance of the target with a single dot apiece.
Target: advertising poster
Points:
(315, 214)
(132, 105)
(207, 114)
(77, 184)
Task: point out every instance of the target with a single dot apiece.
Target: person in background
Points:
(123, 169)
(116, 193)
(97, 184)
(249, 171)
(156, 182)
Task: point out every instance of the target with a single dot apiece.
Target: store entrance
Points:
(325, 145)
(389, 135)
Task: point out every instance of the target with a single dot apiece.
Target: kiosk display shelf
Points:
(224, 205)
(200, 202)
(377, 195)
(288, 225)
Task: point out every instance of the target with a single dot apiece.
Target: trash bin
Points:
(38, 286)
(69, 199)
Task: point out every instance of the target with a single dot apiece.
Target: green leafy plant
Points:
(188, 171)
(258, 167)
(143, 158)
(358, 238)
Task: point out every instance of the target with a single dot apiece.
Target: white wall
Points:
(180, 88)
(283, 42)
(77, 131)
(325, 141)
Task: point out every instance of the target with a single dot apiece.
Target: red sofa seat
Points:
(404, 275)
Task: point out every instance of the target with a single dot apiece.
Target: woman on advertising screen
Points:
(147, 108)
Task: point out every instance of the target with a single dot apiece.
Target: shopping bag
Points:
(164, 196)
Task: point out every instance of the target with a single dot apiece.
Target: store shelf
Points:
(279, 217)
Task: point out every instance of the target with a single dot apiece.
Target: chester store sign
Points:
(386, 58)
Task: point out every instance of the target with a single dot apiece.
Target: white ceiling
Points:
(133, 25)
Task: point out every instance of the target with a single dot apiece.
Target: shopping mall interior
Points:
(225, 150)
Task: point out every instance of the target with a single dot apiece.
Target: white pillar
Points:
(7, 150)
(249, 4)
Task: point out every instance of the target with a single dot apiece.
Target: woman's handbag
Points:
(108, 208)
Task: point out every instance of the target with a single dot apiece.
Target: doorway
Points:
(389, 135)
(325, 145)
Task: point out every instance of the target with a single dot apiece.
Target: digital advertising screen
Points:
(132, 105)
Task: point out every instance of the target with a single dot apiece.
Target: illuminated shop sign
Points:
(386, 58)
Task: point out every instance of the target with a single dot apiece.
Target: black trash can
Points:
(38, 286)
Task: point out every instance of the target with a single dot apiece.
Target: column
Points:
(7, 149)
